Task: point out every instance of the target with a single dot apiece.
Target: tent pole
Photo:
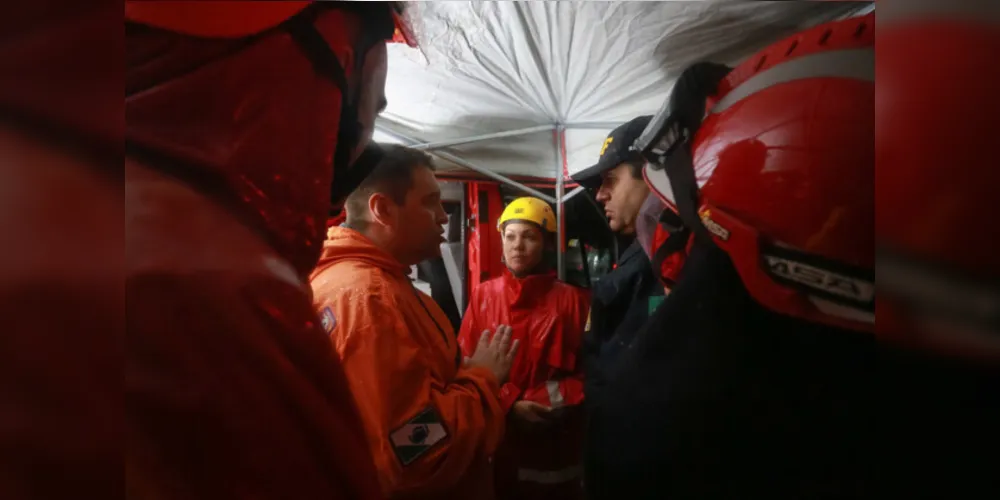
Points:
(471, 166)
(609, 126)
(495, 176)
(484, 137)
(559, 136)
(574, 192)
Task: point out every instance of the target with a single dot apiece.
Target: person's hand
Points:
(530, 412)
(496, 353)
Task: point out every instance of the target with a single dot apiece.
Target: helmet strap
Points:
(325, 63)
(679, 236)
(378, 25)
(680, 170)
(687, 109)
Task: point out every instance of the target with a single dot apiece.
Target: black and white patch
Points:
(418, 435)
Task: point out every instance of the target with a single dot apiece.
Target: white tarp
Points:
(487, 67)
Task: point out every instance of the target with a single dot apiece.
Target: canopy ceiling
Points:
(582, 67)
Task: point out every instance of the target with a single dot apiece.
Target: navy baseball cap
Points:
(617, 149)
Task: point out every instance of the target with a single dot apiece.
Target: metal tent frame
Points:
(558, 143)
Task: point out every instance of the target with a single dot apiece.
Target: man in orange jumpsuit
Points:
(431, 421)
(540, 456)
(240, 115)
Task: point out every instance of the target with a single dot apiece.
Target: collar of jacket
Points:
(621, 282)
(346, 244)
(524, 291)
(631, 252)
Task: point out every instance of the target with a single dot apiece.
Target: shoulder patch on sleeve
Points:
(418, 435)
(327, 319)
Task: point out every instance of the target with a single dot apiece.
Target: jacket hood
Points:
(345, 244)
(248, 122)
(527, 289)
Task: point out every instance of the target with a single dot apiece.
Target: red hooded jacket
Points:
(548, 317)
(232, 388)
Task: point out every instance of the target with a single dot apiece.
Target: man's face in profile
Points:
(622, 196)
(421, 217)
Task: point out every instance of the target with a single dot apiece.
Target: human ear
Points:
(382, 208)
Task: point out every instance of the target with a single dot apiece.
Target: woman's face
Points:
(522, 247)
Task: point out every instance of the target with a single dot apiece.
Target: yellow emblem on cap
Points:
(607, 142)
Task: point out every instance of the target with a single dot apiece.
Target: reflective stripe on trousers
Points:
(555, 395)
(550, 476)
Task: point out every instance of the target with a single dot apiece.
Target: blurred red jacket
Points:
(548, 317)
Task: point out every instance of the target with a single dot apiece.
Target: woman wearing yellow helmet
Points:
(541, 450)
(528, 227)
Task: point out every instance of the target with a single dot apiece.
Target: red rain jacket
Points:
(232, 388)
(548, 317)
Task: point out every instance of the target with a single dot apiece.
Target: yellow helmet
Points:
(529, 209)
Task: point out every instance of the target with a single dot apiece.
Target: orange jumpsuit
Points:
(431, 424)
(548, 317)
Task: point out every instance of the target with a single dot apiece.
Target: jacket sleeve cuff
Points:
(487, 376)
(509, 394)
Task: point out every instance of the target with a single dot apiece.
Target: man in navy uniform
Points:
(623, 299)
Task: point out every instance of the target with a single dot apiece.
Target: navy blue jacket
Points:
(621, 303)
(717, 397)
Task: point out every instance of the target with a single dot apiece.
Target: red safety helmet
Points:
(785, 158)
(937, 115)
(229, 19)
(213, 19)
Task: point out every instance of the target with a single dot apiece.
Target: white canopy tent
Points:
(497, 83)
(533, 88)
